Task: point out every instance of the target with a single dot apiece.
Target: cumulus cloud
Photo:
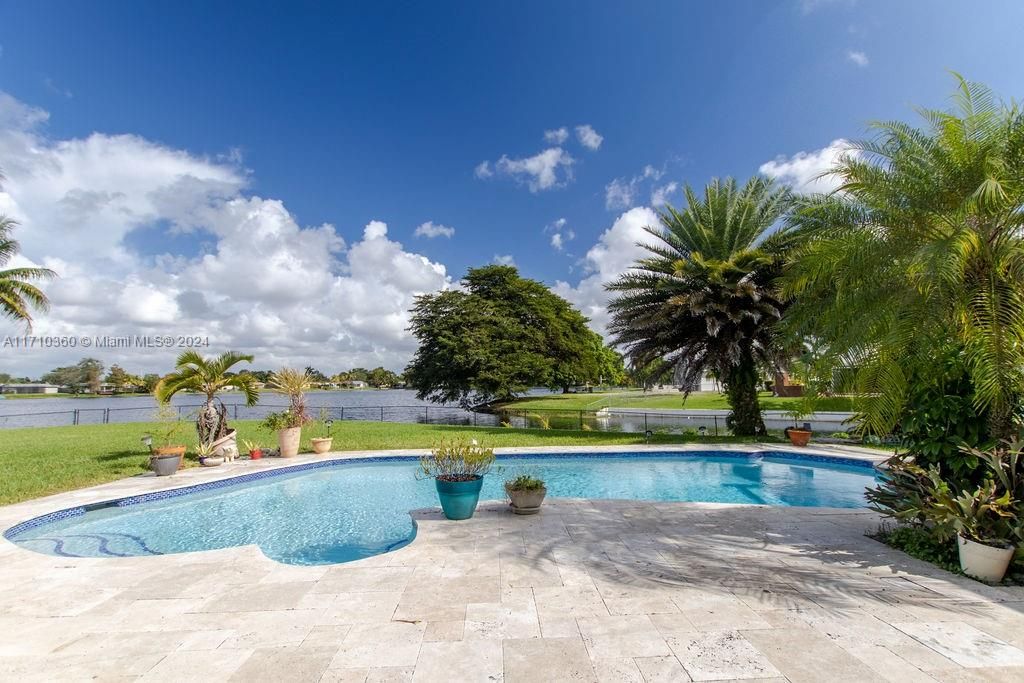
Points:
(804, 170)
(560, 233)
(262, 283)
(431, 230)
(659, 196)
(545, 170)
(857, 57)
(504, 260)
(588, 137)
(483, 170)
(622, 193)
(613, 254)
(557, 136)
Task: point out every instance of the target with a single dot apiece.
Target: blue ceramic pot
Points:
(459, 498)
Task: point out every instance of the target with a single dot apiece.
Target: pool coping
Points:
(20, 517)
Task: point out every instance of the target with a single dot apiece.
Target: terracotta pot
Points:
(799, 437)
(984, 562)
(172, 450)
(288, 441)
(321, 444)
(255, 454)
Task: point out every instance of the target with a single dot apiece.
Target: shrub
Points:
(457, 461)
(524, 482)
(285, 419)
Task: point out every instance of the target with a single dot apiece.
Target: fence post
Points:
(75, 418)
(581, 420)
(234, 407)
(382, 413)
(645, 423)
(342, 413)
(716, 425)
(106, 416)
(474, 418)
(426, 415)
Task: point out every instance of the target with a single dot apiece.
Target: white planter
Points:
(288, 441)
(983, 562)
(321, 445)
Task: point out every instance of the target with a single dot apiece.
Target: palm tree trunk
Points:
(741, 392)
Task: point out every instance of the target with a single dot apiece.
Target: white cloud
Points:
(588, 137)
(803, 171)
(483, 170)
(857, 57)
(556, 136)
(560, 233)
(545, 170)
(659, 196)
(621, 193)
(263, 284)
(615, 252)
(431, 230)
(52, 86)
(504, 259)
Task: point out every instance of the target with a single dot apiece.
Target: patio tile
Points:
(547, 659)
(501, 620)
(802, 656)
(361, 608)
(466, 662)
(711, 656)
(661, 669)
(396, 644)
(964, 644)
(625, 636)
(259, 597)
(439, 631)
(285, 663)
(617, 670)
(203, 666)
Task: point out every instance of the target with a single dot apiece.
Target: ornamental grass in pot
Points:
(167, 457)
(288, 424)
(458, 471)
(526, 494)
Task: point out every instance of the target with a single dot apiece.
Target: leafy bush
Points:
(457, 461)
(524, 482)
(285, 419)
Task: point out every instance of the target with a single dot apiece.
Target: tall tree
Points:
(207, 376)
(18, 296)
(705, 299)
(920, 249)
(498, 337)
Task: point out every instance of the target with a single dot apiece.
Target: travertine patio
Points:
(586, 591)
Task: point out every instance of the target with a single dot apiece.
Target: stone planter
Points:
(226, 447)
(211, 461)
(171, 450)
(288, 441)
(164, 465)
(526, 502)
(322, 445)
(983, 562)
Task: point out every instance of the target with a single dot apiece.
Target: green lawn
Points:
(704, 400)
(42, 460)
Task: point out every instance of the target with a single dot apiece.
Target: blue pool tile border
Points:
(138, 499)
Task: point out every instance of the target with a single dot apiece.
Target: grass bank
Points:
(703, 400)
(42, 460)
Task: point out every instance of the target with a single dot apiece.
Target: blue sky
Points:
(352, 115)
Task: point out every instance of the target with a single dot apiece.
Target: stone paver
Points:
(585, 591)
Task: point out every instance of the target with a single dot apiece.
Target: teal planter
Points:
(459, 498)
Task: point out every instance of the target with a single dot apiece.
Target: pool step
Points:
(92, 545)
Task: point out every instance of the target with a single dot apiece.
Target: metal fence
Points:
(710, 423)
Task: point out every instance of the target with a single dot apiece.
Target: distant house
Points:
(354, 384)
(29, 388)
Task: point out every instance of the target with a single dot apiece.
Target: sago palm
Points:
(920, 249)
(18, 296)
(207, 376)
(705, 300)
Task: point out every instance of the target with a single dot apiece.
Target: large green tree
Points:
(85, 375)
(497, 337)
(705, 299)
(921, 250)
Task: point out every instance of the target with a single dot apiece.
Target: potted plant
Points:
(254, 449)
(208, 456)
(800, 435)
(165, 459)
(526, 494)
(322, 444)
(989, 519)
(288, 424)
(458, 472)
(208, 376)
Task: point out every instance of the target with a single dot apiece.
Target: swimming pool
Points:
(343, 510)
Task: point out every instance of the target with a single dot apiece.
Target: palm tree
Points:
(705, 300)
(18, 296)
(207, 376)
(922, 249)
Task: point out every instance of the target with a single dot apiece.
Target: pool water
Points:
(354, 509)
